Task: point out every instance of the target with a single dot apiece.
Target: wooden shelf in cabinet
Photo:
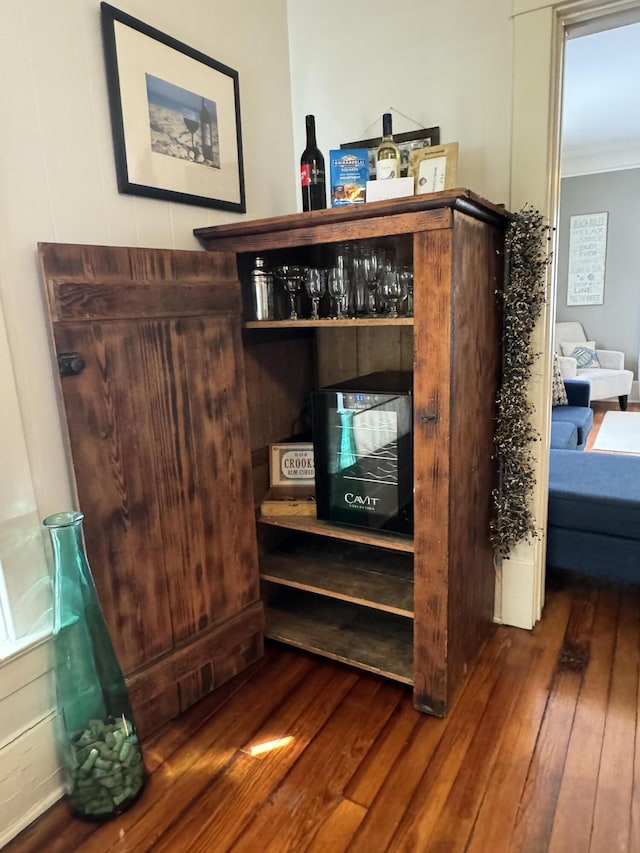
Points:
(376, 641)
(307, 524)
(329, 323)
(367, 576)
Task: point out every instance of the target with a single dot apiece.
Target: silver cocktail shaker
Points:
(262, 290)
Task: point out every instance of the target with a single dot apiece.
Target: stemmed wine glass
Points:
(406, 274)
(316, 285)
(338, 286)
(393, 289)
(293, 278)
(192, 121)
(370, 264)
(340, 283)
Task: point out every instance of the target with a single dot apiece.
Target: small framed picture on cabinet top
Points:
(434, 169)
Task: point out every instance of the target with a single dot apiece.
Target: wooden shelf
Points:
(356, 573)
(307, 524)
(329, 322)
(375, 641)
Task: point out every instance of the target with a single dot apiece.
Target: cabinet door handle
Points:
(70, 363)
(431, 418)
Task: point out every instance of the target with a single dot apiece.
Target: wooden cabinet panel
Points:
(431, 454)
(454, 241)
(280, 370)
(478, 266)
(158, 430)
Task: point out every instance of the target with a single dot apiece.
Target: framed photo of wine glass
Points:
(175, 117)
(406, 142)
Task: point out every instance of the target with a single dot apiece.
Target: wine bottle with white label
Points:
(312, 174)
(388, 153)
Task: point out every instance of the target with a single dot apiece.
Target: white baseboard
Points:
(30, 779)
(24, 819)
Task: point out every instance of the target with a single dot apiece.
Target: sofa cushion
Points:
(564, 435)
(594, 553)
(595, 492)
(558, 390)
(578, 392)
(581, 416)
(607, 383)
(584, 353)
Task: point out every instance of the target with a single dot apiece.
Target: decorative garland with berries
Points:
(523, 297)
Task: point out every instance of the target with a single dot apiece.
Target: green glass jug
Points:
(99, 747)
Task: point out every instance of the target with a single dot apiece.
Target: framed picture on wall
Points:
(175, 117)
(587, 258)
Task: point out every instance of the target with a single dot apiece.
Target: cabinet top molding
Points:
(458, 199)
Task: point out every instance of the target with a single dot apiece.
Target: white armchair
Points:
(607, 380)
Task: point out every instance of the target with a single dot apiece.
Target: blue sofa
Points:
(593, 521)
(570, 425)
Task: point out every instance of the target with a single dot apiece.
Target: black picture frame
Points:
(406, 142)
(175, 117)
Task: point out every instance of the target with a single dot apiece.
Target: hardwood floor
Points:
(539, 753)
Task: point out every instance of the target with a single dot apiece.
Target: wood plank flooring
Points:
(539, 753)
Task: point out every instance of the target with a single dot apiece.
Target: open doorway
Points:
(597, 308)
(538, 48)
(597, 246)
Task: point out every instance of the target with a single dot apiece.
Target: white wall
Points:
(440, 63)
(57, 183)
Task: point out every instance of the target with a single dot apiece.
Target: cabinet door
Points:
(158, 431)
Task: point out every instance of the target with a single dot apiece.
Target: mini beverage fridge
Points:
(363, 449)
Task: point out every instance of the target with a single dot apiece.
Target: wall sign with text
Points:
(587, 259)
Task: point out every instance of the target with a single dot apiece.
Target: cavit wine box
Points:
(349, 169)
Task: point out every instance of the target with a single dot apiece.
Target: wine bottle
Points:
(388, 153)
(312, 175)
(206, 133)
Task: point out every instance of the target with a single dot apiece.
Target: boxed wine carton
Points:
(349, 170)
